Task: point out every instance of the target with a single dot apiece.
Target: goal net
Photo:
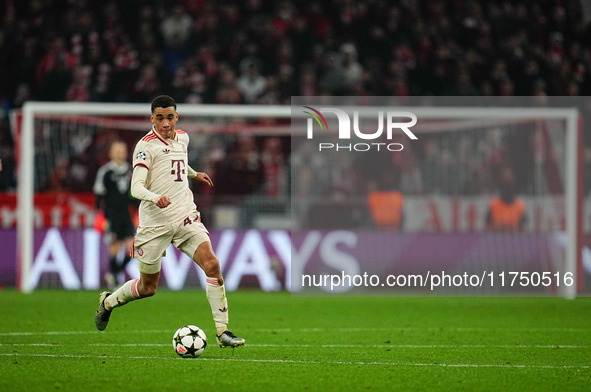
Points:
(61, 147)
(281, 209)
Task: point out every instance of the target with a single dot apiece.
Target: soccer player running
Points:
(168, 215)
(112, 187)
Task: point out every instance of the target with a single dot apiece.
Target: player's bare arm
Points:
(200, 176)
(203, 177)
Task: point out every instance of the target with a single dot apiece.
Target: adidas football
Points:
(189, 341)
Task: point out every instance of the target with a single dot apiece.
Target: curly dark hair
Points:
(163, 101)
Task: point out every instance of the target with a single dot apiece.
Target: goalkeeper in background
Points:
(112, 189)
(168, 215)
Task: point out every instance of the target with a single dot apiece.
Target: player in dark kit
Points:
(112, 187)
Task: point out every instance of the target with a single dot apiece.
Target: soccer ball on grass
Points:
(189, 341)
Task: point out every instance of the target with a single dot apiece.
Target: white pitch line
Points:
(342, 329)
(415, 346)
(265, 345)
(362, 345)
(419, 329)
(31, 344)
(77, 332)
(356, 363)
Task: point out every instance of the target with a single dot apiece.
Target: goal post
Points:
(27, 145)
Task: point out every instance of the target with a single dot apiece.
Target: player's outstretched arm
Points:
(200, 176)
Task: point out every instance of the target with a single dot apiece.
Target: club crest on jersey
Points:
(140, 251)
(184, 149)
(166, 151)
(141, 155)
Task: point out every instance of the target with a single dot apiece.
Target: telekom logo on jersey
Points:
(179, 171)
(345, 129)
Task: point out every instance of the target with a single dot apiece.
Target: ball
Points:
(189, 341)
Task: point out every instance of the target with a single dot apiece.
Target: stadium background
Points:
(258, 52)
(265, 52)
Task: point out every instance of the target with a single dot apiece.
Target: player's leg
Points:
(110, 239)
(193, 239)
(111, 276)
(117, 267)
(131, 290)
(123, 232)
(149, 246)
(128, 242)
(113, 251)
(214, 288)
(125, 236)
(216, 294)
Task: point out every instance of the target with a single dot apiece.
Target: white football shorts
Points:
(150, 243)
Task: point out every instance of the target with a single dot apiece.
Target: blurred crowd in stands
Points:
(264, 52)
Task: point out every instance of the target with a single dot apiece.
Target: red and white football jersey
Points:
(166, 161)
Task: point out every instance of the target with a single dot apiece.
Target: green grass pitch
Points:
(48, 342)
